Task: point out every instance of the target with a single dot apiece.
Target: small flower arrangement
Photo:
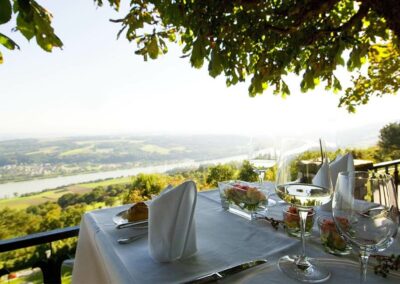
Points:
(291, 219)
(330, 237)
(244, 196)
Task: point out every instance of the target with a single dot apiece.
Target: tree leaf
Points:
(198, 52)
(1, 58)
(153, 48)
(27, 29)
(215, 67)
(8, 42)
(336, 85)
(5, 11)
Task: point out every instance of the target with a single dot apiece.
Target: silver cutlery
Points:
(138, 225)
(218, 275)
(123, 241)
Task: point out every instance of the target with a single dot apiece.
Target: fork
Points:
(123, 241)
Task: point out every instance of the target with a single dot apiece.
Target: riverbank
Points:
(8, 190)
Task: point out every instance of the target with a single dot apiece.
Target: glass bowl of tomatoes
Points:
(330, 238)
(243, 198)
(291, 220)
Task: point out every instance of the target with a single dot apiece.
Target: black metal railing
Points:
(51, 268)
(391, 167)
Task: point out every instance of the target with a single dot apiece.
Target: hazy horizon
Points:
(366, 135)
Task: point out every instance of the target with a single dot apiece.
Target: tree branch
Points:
(361, 13)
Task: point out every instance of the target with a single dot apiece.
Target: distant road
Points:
(8, 189)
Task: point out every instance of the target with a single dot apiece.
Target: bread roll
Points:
(138, 212)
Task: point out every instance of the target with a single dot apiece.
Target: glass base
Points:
(271, 202)
(305, 271)
(241, 213)
(251, 215)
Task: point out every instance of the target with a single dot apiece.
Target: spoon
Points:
(128, 240)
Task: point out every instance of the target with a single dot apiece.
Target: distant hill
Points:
(121, 149)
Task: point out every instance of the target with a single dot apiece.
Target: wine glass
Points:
(261, 160)
(303, 180)
(365, 212)
(260, 165)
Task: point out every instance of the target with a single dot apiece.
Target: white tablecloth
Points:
(224, 239)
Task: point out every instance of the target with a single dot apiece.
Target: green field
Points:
(53, 195)
(91, 185)
(78, 151)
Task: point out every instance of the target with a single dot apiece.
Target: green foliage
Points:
(389, 141)
(67, 199)
(247, 173)
(112, 194)
(266, 40)
(371, 154)
(263, 40)
(270, 174)
(32, 21)
(5, 11)
(383, 76)
(7, 43)
(146, 185)
(221, 173)
(16, 222)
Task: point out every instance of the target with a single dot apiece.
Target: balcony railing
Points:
(391, 167)
(51, 268)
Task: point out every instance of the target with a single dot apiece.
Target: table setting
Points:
(232, 234)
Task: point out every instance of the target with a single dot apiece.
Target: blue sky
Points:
(97, 85)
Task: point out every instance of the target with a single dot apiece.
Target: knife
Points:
(218, 275)
(140, 225)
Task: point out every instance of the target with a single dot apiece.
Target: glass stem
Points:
(303, 219)
(364, 265)
(261, 175)
(302, 261)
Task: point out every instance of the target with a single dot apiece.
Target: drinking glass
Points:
(303, 180)
(261, 164)
(261, 160)
(365, 212)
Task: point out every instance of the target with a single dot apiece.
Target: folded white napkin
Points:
(323, 176)
(329, 174)
(341, 164)
(172, 232)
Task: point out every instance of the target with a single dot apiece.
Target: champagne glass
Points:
(303, 180)
(261, 160)
(365, 212)
(260, 165)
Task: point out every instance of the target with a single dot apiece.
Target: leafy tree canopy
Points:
(263, 40)
(247, 172)
(221, 172)
(389, 140)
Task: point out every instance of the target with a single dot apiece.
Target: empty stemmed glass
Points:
(261, 161)
(365, 212)
(303, 180)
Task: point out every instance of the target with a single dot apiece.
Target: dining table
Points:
(223, 240)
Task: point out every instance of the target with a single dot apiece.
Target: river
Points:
(8, 189)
